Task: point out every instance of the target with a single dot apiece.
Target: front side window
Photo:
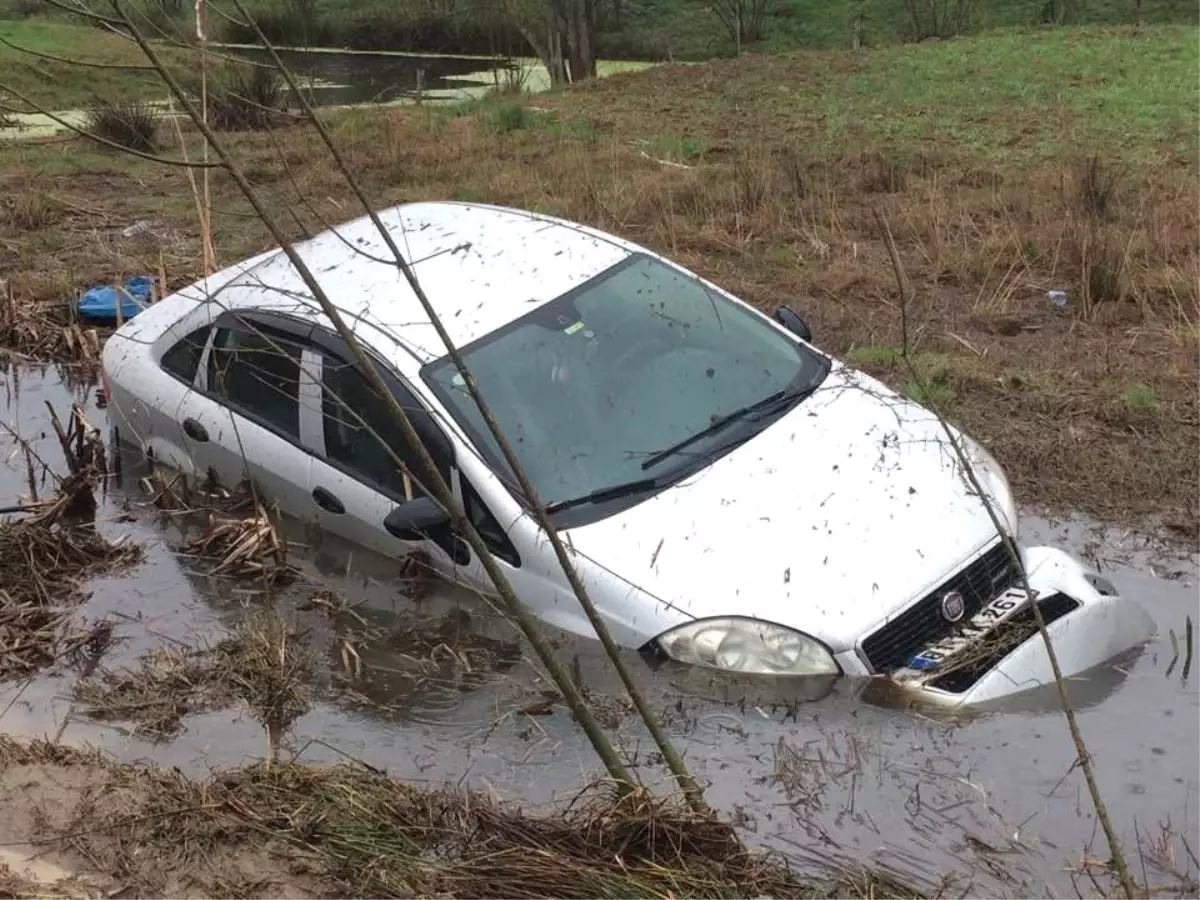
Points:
(259, 375)
(602, 386)
(362, 434)
(490, 530)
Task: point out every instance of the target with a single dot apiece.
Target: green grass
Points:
(1006, 98)
(1141, 400)
(63, 85)
(1080, 89)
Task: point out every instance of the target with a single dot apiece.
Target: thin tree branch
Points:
(516, 609)
(1083, 756)
(671, 756)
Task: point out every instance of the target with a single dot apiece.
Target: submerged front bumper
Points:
(1088, 622)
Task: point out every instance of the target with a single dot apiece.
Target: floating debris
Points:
(263, 664)
(240, 538)
(42, 565)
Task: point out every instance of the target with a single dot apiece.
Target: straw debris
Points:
(351, 831)
(42, 566)
(44, 330)
(447, 649)
(263, 665)
(239, 537)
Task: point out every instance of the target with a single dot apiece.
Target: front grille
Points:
(964, 669)
(893, 645)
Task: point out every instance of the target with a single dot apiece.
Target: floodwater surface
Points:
(995, 800)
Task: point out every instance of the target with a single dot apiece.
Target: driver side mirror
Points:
(420, 519)
(792, 321)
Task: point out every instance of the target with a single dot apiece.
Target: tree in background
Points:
(745, 20)
(562, 33)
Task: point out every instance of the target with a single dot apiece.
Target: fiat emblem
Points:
(953, 606)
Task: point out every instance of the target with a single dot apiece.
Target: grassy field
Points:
(1007, 165)
(68, 66)
(644, 29)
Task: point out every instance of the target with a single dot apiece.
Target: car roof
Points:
(480, 266)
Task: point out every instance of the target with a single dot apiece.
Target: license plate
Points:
(979, 625)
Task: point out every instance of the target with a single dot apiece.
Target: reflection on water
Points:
(437, 687)
(355, 78)
(343, 79)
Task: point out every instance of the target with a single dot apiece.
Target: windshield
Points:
(592, 387)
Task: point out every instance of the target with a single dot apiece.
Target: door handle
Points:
(327, 501)
(195, 430)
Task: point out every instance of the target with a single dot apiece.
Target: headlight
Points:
(994, 482)
(749, 646)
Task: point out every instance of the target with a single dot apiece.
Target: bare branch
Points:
(1083, 757)
(671, 756)
(441, 489)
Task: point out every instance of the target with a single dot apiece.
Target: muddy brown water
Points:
(993, 798)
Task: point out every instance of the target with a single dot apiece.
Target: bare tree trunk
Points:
(581, 26)
(548, 49)
(566, 47)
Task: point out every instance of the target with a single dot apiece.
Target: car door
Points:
(354, 480)
(244, 419)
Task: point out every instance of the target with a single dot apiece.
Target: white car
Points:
(732, 497)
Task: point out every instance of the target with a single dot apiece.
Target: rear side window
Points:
(258, 374)
(183, 359)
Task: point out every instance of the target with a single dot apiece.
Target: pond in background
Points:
(354, 78)
(346, 78)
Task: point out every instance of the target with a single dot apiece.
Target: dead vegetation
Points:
(46, 553)
(125, 122)
(351, 831)
(44, 330)
(263, 664)
(236, 536)
(41, 569)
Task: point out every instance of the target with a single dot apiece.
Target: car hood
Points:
(829, 521)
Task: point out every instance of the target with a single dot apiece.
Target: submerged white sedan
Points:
(732, 497)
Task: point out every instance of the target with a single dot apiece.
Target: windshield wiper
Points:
(606, 493)
(744, 412)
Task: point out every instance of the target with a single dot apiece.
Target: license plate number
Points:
(984, 621)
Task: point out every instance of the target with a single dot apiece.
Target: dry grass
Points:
(126, 122)
(667, 162)
(349, 831)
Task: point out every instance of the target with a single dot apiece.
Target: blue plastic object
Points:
(99, 302)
